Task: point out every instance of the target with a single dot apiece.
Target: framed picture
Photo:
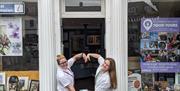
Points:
(2, 78)
(23, 83)
(2, 88)
(12, 83)
(34, 85)
(93, 40)
(31, 24)
(31, 9)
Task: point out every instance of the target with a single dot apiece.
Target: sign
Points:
(12, 8)
(160, 25)
(134, 82)
(160, 43)
(163, 67)
(11, 37)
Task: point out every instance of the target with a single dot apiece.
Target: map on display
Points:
(160, 45)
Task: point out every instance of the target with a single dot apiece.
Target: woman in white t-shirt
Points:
(65, 77)
(105, 78)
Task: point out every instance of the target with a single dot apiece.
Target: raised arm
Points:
(77, 57)
(94, 55)
(98, 56)
(80, 55)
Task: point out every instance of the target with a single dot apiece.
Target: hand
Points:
(84, 57)
(88, 57)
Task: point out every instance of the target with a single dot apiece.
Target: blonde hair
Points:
(59, 57)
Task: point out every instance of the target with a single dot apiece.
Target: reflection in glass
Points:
(152, 46)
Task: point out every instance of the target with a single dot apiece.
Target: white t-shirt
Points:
(65, 77)
(102, 79)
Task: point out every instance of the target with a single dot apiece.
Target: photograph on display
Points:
(153, 36)
(23, 83)
(2, 78)
(162, 36)
(153, 45)
(12, 83)
(150, 56)
(162, 45)
(173, 56)
(34, 85)
(173, 41)
(163, 55)
(145, 44)
(145, 35)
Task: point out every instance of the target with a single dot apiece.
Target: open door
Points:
(83, 35)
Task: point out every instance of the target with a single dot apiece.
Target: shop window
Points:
(19, 52)
(22, 51)
(153, 45)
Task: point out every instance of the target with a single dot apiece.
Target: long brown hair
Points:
(112, 73)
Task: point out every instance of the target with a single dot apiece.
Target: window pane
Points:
(153, 44)
(82, 5)
(27, 31)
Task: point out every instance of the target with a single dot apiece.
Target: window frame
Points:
(81, 14)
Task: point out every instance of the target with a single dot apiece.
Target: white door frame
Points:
(83, 14)
(115, 40)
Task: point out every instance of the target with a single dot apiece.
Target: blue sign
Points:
(12, 8)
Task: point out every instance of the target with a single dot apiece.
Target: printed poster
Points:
(11, 36)
(160, 45)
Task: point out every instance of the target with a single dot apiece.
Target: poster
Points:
(160, 45)
(11, 36)
(134, 82)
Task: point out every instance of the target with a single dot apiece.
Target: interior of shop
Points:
(83, 35)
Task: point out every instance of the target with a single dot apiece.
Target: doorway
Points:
(83, 35)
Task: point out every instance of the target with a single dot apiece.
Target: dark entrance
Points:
(83, 35)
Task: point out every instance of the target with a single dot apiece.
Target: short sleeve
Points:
(71, 62)
(100, 60)
(64, 81)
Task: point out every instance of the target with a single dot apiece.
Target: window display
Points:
(153, 38)
(19, 53)
(160, 45)
(11, 36)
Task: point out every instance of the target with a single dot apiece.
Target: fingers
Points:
(88, 57)
(85, 57)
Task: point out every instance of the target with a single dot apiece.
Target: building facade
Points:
(113, 28)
